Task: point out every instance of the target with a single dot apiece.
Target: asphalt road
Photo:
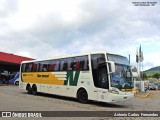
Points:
(14, 99)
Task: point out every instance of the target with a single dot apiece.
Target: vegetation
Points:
(156, 75)
(152, 74)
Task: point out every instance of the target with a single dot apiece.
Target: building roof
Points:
(11, 58)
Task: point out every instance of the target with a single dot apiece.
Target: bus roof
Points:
(69, 55)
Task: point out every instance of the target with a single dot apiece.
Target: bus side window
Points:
(57, 62)
(78, 65)
(34, 69)
(85, 63)
(27, 68)
(71, 63)
(40, 67)
(53, 65)
(45, 67)
(82, 63)
(63, 65)
(86, 66)
(30, 67)
(23, 67)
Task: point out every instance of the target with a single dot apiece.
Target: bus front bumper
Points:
(118, 97)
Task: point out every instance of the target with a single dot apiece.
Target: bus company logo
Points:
(24, 75)
(72, 78)
(42, 76)
(6, 114)
(27, 74)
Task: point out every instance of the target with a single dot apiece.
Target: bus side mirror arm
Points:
(111, 67)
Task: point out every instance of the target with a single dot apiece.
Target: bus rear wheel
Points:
(29, 90)
(34, 89)
(82, 96)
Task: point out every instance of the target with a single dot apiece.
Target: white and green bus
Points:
(99, 76)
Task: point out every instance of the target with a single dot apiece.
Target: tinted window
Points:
(74, 63)
(97, 59)
(82, 63)
(63, 66)
(54, 65)
(35, 67)
(28, 67)
(23, 67)
(71, 63)
(103, 78)
(43, 66)
(118, 59)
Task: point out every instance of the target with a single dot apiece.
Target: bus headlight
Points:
(114, 91)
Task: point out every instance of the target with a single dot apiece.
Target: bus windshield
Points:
(122, 78)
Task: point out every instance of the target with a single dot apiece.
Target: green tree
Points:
(156, 75)
(144, 76)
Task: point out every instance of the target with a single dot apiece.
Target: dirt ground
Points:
(14, 99)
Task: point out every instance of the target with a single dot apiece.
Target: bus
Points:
(96, 76)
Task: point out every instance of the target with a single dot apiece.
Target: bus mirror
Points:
(111, 66)
(134, 72)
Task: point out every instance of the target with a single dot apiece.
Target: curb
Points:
(143, 96)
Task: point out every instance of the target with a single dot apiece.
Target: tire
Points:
(82, 96)
(34, 89)
(34, 92)
(16, 83)
(29, 90)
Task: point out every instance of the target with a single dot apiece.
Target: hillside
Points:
(152, 71)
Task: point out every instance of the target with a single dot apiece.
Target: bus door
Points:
(100, 77)
(103, 81)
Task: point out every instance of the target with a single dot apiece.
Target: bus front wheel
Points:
(82, 96)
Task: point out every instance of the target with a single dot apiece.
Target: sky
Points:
(47, 28)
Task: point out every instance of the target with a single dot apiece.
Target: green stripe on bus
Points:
(73, 80)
